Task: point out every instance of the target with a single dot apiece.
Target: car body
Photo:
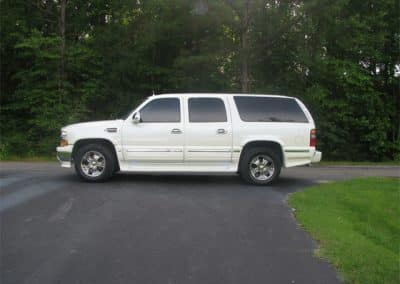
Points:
(195, 133)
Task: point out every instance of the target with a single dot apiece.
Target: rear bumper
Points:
(64, 156)
(316, 158)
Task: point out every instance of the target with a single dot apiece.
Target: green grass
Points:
(357, 224)
(350, 163)
(29, 159)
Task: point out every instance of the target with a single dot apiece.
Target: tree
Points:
(244, 11)
(66, 61)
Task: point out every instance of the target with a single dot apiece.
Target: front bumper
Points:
(316, 158)
(64, 156)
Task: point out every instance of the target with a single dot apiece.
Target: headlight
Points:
(63, 134)
(63, 138)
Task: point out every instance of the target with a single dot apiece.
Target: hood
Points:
(93, 124)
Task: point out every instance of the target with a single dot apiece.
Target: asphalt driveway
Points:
(157, 229)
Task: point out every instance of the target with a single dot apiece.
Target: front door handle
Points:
(176, 131)
(221, 131)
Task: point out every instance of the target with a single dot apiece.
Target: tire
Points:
(268, 166)
(94, 163)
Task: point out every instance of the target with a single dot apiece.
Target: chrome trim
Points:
(154, 151)
(262, 168)
(176, 131)
(111, 129)
(222, 131)
(65, 159)
(297, 151)
(211, 151)
(64, 156)
(93, 164)
(316, 157)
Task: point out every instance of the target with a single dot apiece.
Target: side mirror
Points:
(136, 118)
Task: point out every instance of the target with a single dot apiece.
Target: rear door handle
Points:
(176, 131)
(221, 131)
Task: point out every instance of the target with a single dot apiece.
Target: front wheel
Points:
(94, 163)
(260, 166)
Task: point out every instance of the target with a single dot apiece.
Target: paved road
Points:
(157, 229)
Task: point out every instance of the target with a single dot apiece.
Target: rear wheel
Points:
(260, 166)
(94, 162)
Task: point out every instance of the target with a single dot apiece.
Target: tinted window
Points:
(268, 109)
(206, 110)
(161, 110)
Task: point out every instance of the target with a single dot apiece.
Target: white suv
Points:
(254, 135)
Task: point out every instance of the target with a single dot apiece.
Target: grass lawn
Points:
(357, 224)
(29, 159)
(350, 163)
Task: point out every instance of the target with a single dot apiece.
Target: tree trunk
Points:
(244, 13)
(244, 76)
(63, 7)
(245, 38)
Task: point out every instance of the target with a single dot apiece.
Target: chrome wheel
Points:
(262, 168)
(93, 164)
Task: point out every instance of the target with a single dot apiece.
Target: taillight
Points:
(313, 138)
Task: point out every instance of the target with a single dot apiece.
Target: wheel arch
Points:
(270, 144)
(85, 141)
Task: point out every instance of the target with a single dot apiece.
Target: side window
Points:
(269, 109)
(161, 110)
(207, 110)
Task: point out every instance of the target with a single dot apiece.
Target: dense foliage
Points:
(64, 61)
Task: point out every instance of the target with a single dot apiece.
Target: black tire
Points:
(252, 153)
(109, 165)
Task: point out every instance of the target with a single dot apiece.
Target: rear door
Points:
(208, 129)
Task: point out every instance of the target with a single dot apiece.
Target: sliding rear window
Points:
(269, 109)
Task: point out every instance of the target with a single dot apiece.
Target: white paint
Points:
(143, 147)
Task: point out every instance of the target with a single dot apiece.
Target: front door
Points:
(208, 130)
(158, 135)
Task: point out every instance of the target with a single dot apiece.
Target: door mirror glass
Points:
(136, 118)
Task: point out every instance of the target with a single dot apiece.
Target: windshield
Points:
(127, 113)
